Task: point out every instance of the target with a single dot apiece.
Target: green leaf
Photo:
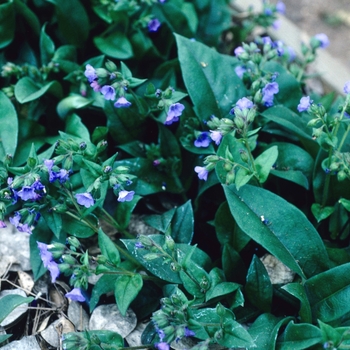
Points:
(293, 164)
(73, 24)
(7, 23)
(126, 290)
(221, 289)
(233, 265)
(9, 302)
(161, 222)
(182, 224)
(298, 291)
(321, 213)
(53, 221)
(47, 47)
(329, 293)
(265, 161)
(299, 337)
(205, 68)
(329, 334)
(28, 15)
(104, 285)
(9, 127)
(258, 287)
(114, 44)
(235, 336)
(290, 237)
(77, 228)
(71, 103)
(345, 203)
(4, 337)
(108, 248)
(292, 122)
(27, 90)
(227, 230)
(265, 330)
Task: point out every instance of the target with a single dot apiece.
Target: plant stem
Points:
(327, 181)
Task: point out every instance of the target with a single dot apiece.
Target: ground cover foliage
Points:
(173, 110)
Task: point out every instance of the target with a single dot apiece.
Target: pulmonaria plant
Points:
(151, 111)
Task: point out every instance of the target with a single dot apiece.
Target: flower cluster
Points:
(110, 83)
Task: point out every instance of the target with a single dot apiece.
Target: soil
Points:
(329, 17)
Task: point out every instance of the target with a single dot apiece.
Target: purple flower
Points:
(202, 172)
(323, 39)
(267, 40)
(24, 228)
(162, 346)
(90, 73)
(347, 87)
(216, 136)
(139, 245)
(108, 92)
(291, 53)
(276, 24)
(244, 103)
(268, 12)
(125, 196)
(2, 224)
(162, 1)
(95, 86)
(62, 175)
(203, 140)
(240, 70)
(153, 25)
(47, 259)
(76, 295)
(122, 102)
(268, 93)
(49, 164)
(27, 193)
(238, 51)
(174, 112)
(15, 220)
(281, 7)
(189, 333)
(85, 199)
(304, 104)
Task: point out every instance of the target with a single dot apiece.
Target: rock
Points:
(53, 333)
(18, 312)
(26, 343)
(109, 317)
(78, 316)
(277, 271)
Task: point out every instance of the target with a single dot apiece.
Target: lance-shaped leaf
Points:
(10, 302)
(279, 227)
(329, 293)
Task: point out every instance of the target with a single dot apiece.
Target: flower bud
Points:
(170, 243)
(111, 66)
(230, 177)
(228, 166)
(151, 256)
(220, 310)
(239, 122)
(145, 240)
(65, 268)
(341, 175)
(101, 146)
(68, 259)
(73, 241)
(313, 122)
(101, 72)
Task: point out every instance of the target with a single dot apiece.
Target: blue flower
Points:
(153, 25)
(27, 193)
(108, 92)
(281, 7)
(48, 262)
(216, 136)
(244, 103)
(90, 73)
(85, 199)
(162, 346)
(304, 104)
(268, 93)
(203, 140)
(15, 220)
(75, 295)
(139, 245)
(122, 102)
(2, 224)
(174, 112)
(323, 40)
(347, 87)
(238, 51)
(126, 196)
(276, 24)
(202, 172)
(189, 333)
(240, 70)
